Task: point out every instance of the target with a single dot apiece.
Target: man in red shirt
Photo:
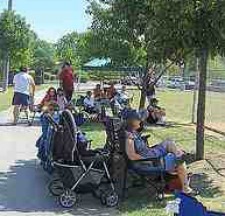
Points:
(66, 78)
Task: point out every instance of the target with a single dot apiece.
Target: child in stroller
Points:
(79, 168)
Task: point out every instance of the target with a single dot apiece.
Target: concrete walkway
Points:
(23, 183)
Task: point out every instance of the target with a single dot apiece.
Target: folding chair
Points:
(121, 166)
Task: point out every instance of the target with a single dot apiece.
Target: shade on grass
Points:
(179, 106)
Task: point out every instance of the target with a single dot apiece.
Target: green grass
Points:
(140, 202)
(6, 97)
(179, 107)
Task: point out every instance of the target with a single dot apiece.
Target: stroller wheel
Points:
(103, 198)
(112, 200)
(68, 199)
(56, 187)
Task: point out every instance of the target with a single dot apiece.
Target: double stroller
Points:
(78, 169)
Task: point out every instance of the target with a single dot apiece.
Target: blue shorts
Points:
(20, 99)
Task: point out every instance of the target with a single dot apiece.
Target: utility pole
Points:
(6, 59)
(10, 5)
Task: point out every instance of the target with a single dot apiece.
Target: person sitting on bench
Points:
(157, 115)
(89, 104)
(138, 149)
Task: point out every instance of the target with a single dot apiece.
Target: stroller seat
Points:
(80, 169)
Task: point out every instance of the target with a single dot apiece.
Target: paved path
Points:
(23, 184)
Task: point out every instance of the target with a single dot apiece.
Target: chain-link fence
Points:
(180, 99)
(215, 105)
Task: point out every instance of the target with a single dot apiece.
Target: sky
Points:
(51, 19)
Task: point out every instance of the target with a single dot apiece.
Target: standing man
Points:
(24, 88)
(66, 78)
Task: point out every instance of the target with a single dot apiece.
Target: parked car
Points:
(175, 83)
(189, 85)
(130, 80)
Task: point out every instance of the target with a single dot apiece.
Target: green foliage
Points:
(15, 38)
(44, 54)
(76, 48)
(66, 48)
(183, 26)
(112, 37)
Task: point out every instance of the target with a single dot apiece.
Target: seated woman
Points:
(89, 104)
(50, 97)
(157, 115)
(137, 149)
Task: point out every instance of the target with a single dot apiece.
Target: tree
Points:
(172, 30)
(43, 54)
(112, 37)
(66, 48)
(15, 39)
(123, 29)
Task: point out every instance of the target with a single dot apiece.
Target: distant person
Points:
(157, 115)
(24, 88)
(111, 91)
(124, 94)
(61, 99)
(67, 78)
(89, 104)
(150, 88)
(98, 93)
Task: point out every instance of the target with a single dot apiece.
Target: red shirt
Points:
(67, 78)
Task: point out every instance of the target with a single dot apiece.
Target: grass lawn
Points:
(6, 97)
(178, 105)
(210, 183)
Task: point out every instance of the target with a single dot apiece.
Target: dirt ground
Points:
(209, 180)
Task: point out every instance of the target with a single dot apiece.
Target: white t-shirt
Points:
(89, 102)
(22, 82)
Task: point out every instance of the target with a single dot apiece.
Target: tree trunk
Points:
(143, 98)
(5, 72)
(200, 130)
(144, 84)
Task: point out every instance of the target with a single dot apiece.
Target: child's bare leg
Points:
(183, 176)
(16, 113)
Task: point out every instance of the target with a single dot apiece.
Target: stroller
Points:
(185, 205)
(79, 169)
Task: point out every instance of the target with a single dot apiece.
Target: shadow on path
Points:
(24, 190)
